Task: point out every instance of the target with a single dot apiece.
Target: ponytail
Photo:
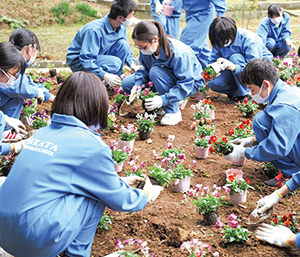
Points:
(145, 31)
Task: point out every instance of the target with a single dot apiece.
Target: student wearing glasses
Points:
(12, 95)
(170, 64)
(12, 63)
(102, 47)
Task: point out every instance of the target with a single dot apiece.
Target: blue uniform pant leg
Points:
(172, 26)
(261, 127)
(90, 211)
(271, 43)
(160, 18)
(163, 80)
(12, 108)
(204, 55)
(281, 49)
(237, 59)
(128, 83)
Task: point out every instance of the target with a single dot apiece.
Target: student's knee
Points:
(128, 83)
(271, 43)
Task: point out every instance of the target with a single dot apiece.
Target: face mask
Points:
(276, 20)
(149, 51)
(93, 127)
(257, 98)
(127, 23)
(32, 58)
(9, 83)
(229, 42)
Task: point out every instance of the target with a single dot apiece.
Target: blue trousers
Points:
(173, 26)
(261, 127)
(279, 48)
(229, 82)
(160, 18)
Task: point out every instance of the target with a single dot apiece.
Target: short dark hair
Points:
(221, 31)
(146, 30)
(23, 37)
(274, 10)
(122, 7)
(257, 71)
(84, 96)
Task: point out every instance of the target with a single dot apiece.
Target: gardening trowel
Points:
(259, 217)
(126, 106)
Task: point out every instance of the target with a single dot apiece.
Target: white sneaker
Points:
(171, 118)
(8, 135)
(160, 112)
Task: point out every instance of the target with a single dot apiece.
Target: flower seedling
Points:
(161, 175)
(128, 133)
(247, 106)
(129, 247)
(195, 248)
(208, 103)
(201, 142)
(137, 169)
(39, 120)
(205, 130)
(241, 130)
(29, 107)
(180, 172)
(287, 220)
(119, 155)
(237, 185)
(220, 146)
(105, 222)
(145, 122)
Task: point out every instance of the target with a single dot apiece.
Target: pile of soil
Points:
(166, 223)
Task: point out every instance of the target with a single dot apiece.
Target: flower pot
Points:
(26, 120)
(118, 166)
(129, 144)
(52, 73)
(201, 153)
(240, 163)
(200, 96)
(182, 185)
(211, 113)
(236, 198)
(59, 80)
(144, 135)
(237, 173)
(210, 218)
(183, 104)
(168, 10)
(249, 115)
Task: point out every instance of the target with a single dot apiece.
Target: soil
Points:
(166, 223)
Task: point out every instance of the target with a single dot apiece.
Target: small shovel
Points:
(127, 107)
(259, 217)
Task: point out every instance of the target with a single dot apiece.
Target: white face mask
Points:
(9, 83)
(228, 43)
(149, 51)
(127, 23)
(32, 58)
(277, 20)
(257, 98)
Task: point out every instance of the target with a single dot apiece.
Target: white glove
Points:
(41, 97)
(246, 142)
(217, 67)
(153, 191)
(158, 8)
(290, 44)
(19, 146)
(268, 202)
(153, 103)
(16, 124)
(237, 154)
(276, 235)
(167, 2)
(135, 90)
(225, 64)
(134, 68)
(133, 181)
(112, 79)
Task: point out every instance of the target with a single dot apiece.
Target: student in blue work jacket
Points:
(156, 8)
(232, 49)
(12, 65)
(199, 16)
(275, 31)
(170, 64)
(277, 127)
(62, 181)
(173, 22)
(102, 47)
(12, 97)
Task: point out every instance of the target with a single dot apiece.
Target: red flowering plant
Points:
(237, 185)
(220, 146)
(209, 74)
(287, 220)
(241, 130)
(247, 106)
(297, 81)
(208, 103)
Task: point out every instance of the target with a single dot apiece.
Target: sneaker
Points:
(171, 118)
(160, 112)
(9, 135)
(271, 182)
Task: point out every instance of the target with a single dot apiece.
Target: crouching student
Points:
(170, 64)
(61, 183)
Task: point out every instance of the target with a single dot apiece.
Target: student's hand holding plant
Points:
(246, 142)
(152, 191)
(225, 64)
(237, 154)
(133, 180)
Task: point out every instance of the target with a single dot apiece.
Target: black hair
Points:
(23, 37)
(259, 70)
(221, 31)
(145, 31)
(84, 96)
(274, 10)
(122, 8)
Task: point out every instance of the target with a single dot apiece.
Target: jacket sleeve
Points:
(294, 183)
(282, 136)
(130, 58)
(214, 55)
(97, 179)
(4, 147)
(220, 6)
(286, 30)
(263, 30)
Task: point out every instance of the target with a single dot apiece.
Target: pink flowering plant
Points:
(147, 92)
(180, 172)
(195, 248)
(201, 112)
(206, 199)
(137, 169)
(234, 232)
(129, 247)
(119, 155)
(129, 132)
(145, 122)
(29, 107)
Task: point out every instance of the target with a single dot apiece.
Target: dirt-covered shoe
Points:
(171, 118)
(9, 135)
